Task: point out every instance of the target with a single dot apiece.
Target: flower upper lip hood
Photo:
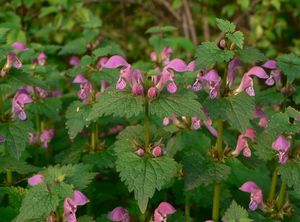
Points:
(256, 197)
(282, 145)
(162, 211)
(19, 46)
(119, 214)
(70, 205)
(20, 99)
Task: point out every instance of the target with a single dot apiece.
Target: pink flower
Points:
(119, 214)
(33, 138)
(157, 151)
(20, 99)
(42, 59)
(85, 87)
(275, 74)
(70, 205)
(101, 62)
(74, 61)
(35, 179)
(259, 113)
(256, 195)
(19, 46)
(46, 137)
(162, 211)
(247, 82)
(242, 143)
(282, 145)
(232, 73)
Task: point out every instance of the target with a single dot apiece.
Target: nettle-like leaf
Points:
(290, 173)
(237, 110)
(290, 66)
(237, 38)
(143, 175)
(77, 117)
(117, 103)
(108, 48)
(49, 107)
(19, 166)
(160, 29)
(208, 53)
(251, 55)
(103, 159)
(77, 46)
(236, 213)
(199, 170)
(279, 123)
(225, 25)
(16, 136)
(182, 103)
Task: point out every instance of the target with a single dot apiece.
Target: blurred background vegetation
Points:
(270, 25)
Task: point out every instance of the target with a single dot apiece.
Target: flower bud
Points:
(222, 43)
(140, 152)
(152, 92)
(157, 151)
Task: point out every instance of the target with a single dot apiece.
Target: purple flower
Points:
(35, 179)
(19, 46)
(232, 72)
(259, 113)
(119, 214)
(166, 54)
(20, 99)
(247, 82)
(56, 93)
(46, 137)
(85, 87)
(275, 74)
(41, 92)
(41, 59)
(242, 143)
(74, 61)
(101, 62)
(162, 211)
(70, 205)
(282, 145)
(256, 195)
(33, 138)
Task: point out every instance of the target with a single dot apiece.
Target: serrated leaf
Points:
(225, 25)
(103, 159)
(80, 176)
(159, 29)
(77, 117)
(143, 175)
(19, 166)
(279, 123)
(251, 55)
(37, 204)
(16, 136)
(237, 110)
(289, 64)
(117, 103)
(77, 47)
(237, 38)
(208, 53)
(236, 213)
(108, 48)
(49, 107)
(270, 96)
(200, 171)
(182, 103)
(290, 173)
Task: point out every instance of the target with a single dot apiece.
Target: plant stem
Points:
(147, 125)
(9, 177)
(281, 194)
(93, 137)
(220, 138)
(38, 124)
(216, 202)
(143, 217)
(187, 209)
(273, 186)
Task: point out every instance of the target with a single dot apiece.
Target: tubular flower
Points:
(256, 195)
(162, 211)
(19, 46)
(20, 99)
(85, 87)
(259, 113)
(282, 146)
(35, 179)
(247, 82)
(164, 55)
(46, 137)
(232, 72)
(275, 74)
(119, 214)
(197, 123)
(127, 75)
(242, 143)
(74, 61)
(70, 205)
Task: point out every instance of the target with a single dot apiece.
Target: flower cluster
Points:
(256, 195)
(45, 137)
(157, 149)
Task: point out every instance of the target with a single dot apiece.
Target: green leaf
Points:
(77, 47)
(143, 175)
(225, 25)
(49, 107)
(290, 173)
(37, 204)
(237, 110)
(289, 64)
(237, 38)
(76, 115)
(182, 103)
(80, 176)
(251, 55)
(200, 171)
(102, 159)
(108, 48)
(279, 123)
(161, 29)
(16, 136)
(117, 103)
(236, 213)
(19, 166)
(208, 53)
